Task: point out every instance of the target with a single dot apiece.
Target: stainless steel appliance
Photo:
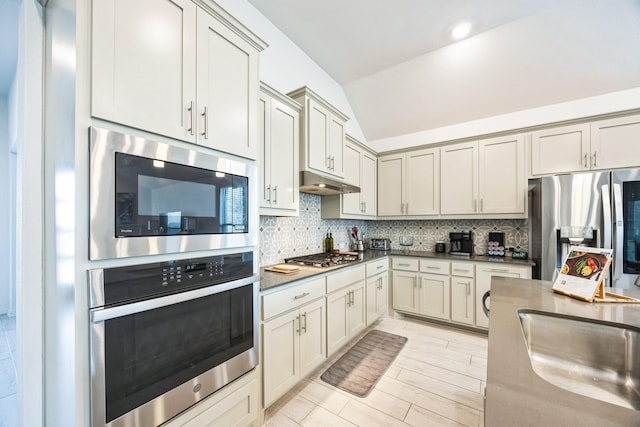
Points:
(461, 243)
(168, 334)
(323, 259)
(600, 209)
(380, 244)
(149, 197)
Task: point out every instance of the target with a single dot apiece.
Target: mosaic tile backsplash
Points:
(284, 237)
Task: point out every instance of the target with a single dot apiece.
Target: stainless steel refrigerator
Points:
(599, 209)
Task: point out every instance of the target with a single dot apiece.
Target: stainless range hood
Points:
(323, 186)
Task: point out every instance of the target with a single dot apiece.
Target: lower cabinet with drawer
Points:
(294, 336)
(462, 292)
(346, 314)
(377, 289)
(447, 290)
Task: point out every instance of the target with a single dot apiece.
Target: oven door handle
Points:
(102, 314)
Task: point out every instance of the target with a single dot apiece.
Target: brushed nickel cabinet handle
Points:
(304, 327)
(585, 160)
(269, 192)
(205, 133)
(301, 295)
(595, 159)
(275, 195)
(298, 329)
(190, 110)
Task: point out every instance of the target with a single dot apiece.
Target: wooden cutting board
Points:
(284, 268)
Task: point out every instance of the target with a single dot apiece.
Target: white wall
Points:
(5, 187)
(285, 67)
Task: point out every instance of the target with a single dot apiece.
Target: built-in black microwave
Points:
(149, 197)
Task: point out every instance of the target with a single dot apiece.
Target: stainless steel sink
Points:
(596, 359)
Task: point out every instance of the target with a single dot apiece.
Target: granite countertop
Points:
(516, 395)
(269, 279)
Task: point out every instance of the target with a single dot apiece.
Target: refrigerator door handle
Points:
(619, 232)
(606, 216)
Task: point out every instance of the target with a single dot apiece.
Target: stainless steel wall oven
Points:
(149, 197)
(168, 334)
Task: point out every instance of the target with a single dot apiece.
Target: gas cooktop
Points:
(323, 259)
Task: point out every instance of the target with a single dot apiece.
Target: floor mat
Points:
(360, 368)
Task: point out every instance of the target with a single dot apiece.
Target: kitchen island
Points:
(515, 394)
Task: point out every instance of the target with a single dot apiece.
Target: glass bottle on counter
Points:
(330, 244)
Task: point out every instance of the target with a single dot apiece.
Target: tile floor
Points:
(437, 380)
(8, 372)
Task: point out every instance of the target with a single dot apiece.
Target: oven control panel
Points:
(145, 281)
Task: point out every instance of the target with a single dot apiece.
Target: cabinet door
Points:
(462, 297)
(434, 295)
(390, 185)
(227, 70)
(458, 185)
(560, 150)
(337, 320)
(368, 184)
(281, 366)
(351, 203)
(336, 146)
(264, 140)
(285, 131)
(405, 291)
(615, 143)
(313, 337)
(318, 119)
(145, 79)
(423, 182)
(377, 297)
(502, 184)
(357, 308)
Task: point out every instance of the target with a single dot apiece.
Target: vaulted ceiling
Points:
(402, 73)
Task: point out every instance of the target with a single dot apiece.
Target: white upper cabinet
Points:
(459, 184)
(605, 144)
(502, 184)
(360, 170)
(615, 143)
(485, 178)
(279, 133)
(409, 183)
(172, 68)
(560, 150)
(322, 134)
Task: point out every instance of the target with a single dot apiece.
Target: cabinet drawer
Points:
(462, 269)
(376, 267)
(407, 264)
(433, 266)
(292, 297)
(345, 277)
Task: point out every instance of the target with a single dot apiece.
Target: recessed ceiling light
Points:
(461, 30)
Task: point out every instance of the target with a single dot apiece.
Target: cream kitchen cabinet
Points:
(293, 336)
(346, 307)
(361, 171)
(462, 292)
(322, 134)
(192, 74)
(560, 150)
(605, 144)
(409, 183)
(435, 288)
(279, 135)
(615, 143)
(484, 273)
(377, 289)
(485, 177)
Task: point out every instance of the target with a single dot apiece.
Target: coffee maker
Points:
(461, 243)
